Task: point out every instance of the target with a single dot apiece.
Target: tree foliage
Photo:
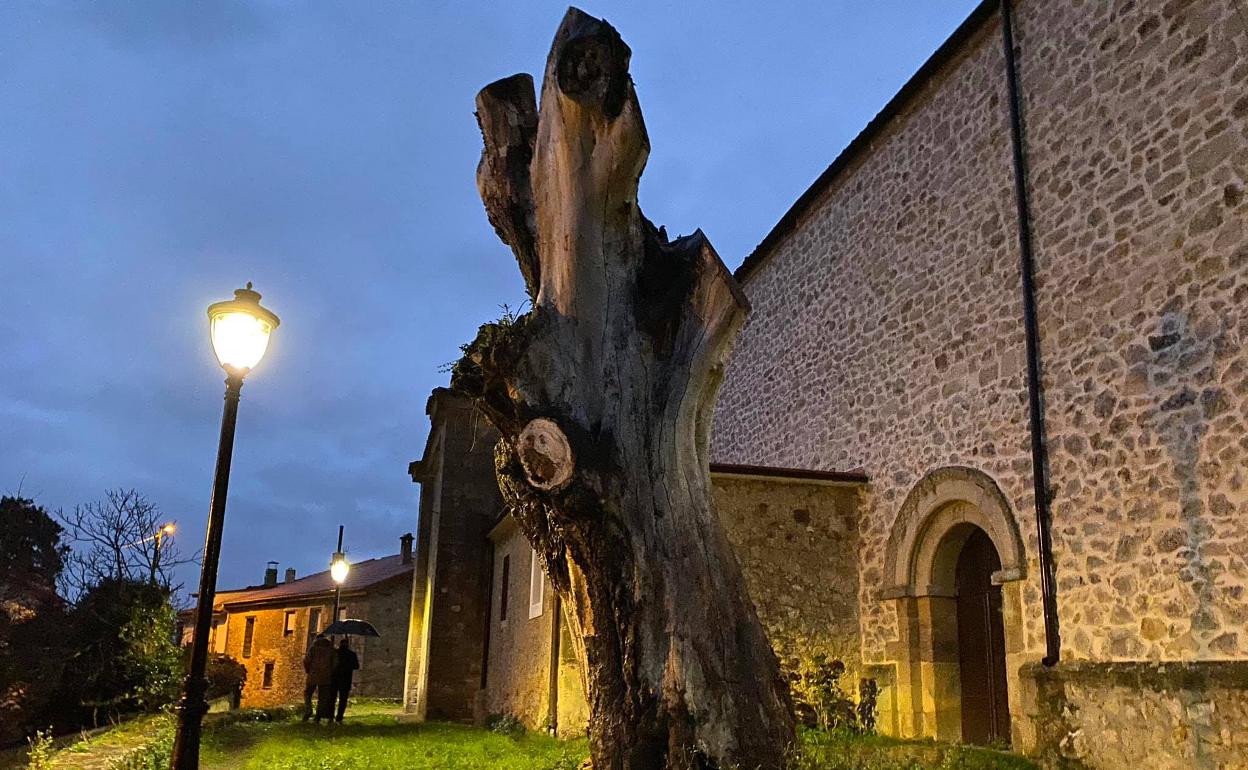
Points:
(119, 538)
(31, 614)
(121, 655)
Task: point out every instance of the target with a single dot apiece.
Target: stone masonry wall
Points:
(798, 548)
(381, 660)
(886, 332)
(519, 664)
(1138, 118)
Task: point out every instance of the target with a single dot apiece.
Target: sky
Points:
(157, 154)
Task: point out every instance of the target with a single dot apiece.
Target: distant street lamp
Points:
(239, 329)
(338, 569)
(160, 536)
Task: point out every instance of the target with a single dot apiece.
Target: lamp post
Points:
(239, 330)
(338, 569)
(160, 536)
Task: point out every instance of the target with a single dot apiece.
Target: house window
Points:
(314, 623)
(342, 613)
(267, 682)
(248, 633)
(288, 626)
(219, 627)
(537, 587)
(502, 594)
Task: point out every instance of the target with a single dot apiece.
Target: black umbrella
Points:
(351, 626)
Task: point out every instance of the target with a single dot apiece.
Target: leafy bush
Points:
(226, 676)
(820, 700)
(505, 724)
(39, 755)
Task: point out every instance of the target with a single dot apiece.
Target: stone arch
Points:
(928, 536)
(937, 516)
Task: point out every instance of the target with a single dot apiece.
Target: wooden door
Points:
(981, 644)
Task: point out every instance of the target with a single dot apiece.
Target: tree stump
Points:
(603, 394)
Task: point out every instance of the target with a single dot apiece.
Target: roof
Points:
(792, 474)
(363, 575)
(862, 143)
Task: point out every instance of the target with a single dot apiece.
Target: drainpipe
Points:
(552, 698)
(1035, 386)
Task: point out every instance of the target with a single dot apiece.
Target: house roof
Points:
(863, 142)
(793, 474)
(362, 575)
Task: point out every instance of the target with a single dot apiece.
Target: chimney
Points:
(270, 574)
(290, 574)
(405, 548)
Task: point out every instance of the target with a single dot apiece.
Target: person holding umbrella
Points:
(346, 662)
(318, 664)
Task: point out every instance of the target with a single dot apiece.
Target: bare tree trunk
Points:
(603, 394)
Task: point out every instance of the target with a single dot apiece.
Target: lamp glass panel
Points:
(239, 339)
(338, 570)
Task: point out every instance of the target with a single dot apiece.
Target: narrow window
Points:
(268, 676)
(248, 633)
(219, 628)
(537, 586)
(288, 626)
(314, 623)
(502, 594)
(342, 613)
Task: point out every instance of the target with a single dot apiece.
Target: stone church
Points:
(984, 435)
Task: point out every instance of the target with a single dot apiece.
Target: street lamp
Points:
(338, 569)
(166, 531)
(239, 330)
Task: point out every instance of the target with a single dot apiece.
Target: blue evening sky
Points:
(157, 154)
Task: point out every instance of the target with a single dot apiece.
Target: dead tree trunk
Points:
(603, 394)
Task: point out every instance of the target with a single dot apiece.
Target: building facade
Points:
(890, 334)
(268, 627)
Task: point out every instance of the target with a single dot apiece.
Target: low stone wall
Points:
(1140, 715)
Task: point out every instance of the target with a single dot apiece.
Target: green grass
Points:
(846, 751)
(375, 737)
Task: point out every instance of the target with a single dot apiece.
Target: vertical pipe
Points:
(193, 706)
(1035, 386)
(552, 700)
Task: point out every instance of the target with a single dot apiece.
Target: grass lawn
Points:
(376, 737)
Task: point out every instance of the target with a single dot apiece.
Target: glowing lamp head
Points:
(338, 567)
(169, 528)
(240, 330)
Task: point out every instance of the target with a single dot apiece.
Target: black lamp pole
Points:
(337, 585)
(194, 705)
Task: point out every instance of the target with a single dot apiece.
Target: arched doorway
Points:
(956, 563)
(981, 643)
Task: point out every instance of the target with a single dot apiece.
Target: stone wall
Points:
(886, 332)
(797, 543)
(1175, 716)
(887, 329)
(1139, 154)
(459, 502)
(381, 659)
(518, 682)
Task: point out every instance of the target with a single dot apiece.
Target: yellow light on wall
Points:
(338, 568)
(240, 330)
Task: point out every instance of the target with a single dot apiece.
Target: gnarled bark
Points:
(603, 394)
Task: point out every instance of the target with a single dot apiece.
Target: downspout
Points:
(1035, 386)
(552, 698)
(489, 615)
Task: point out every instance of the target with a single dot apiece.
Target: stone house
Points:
(1029, 272)
(268, 627)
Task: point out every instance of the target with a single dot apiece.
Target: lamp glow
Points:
(168, 529)
(240, 330)
(338, 568)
